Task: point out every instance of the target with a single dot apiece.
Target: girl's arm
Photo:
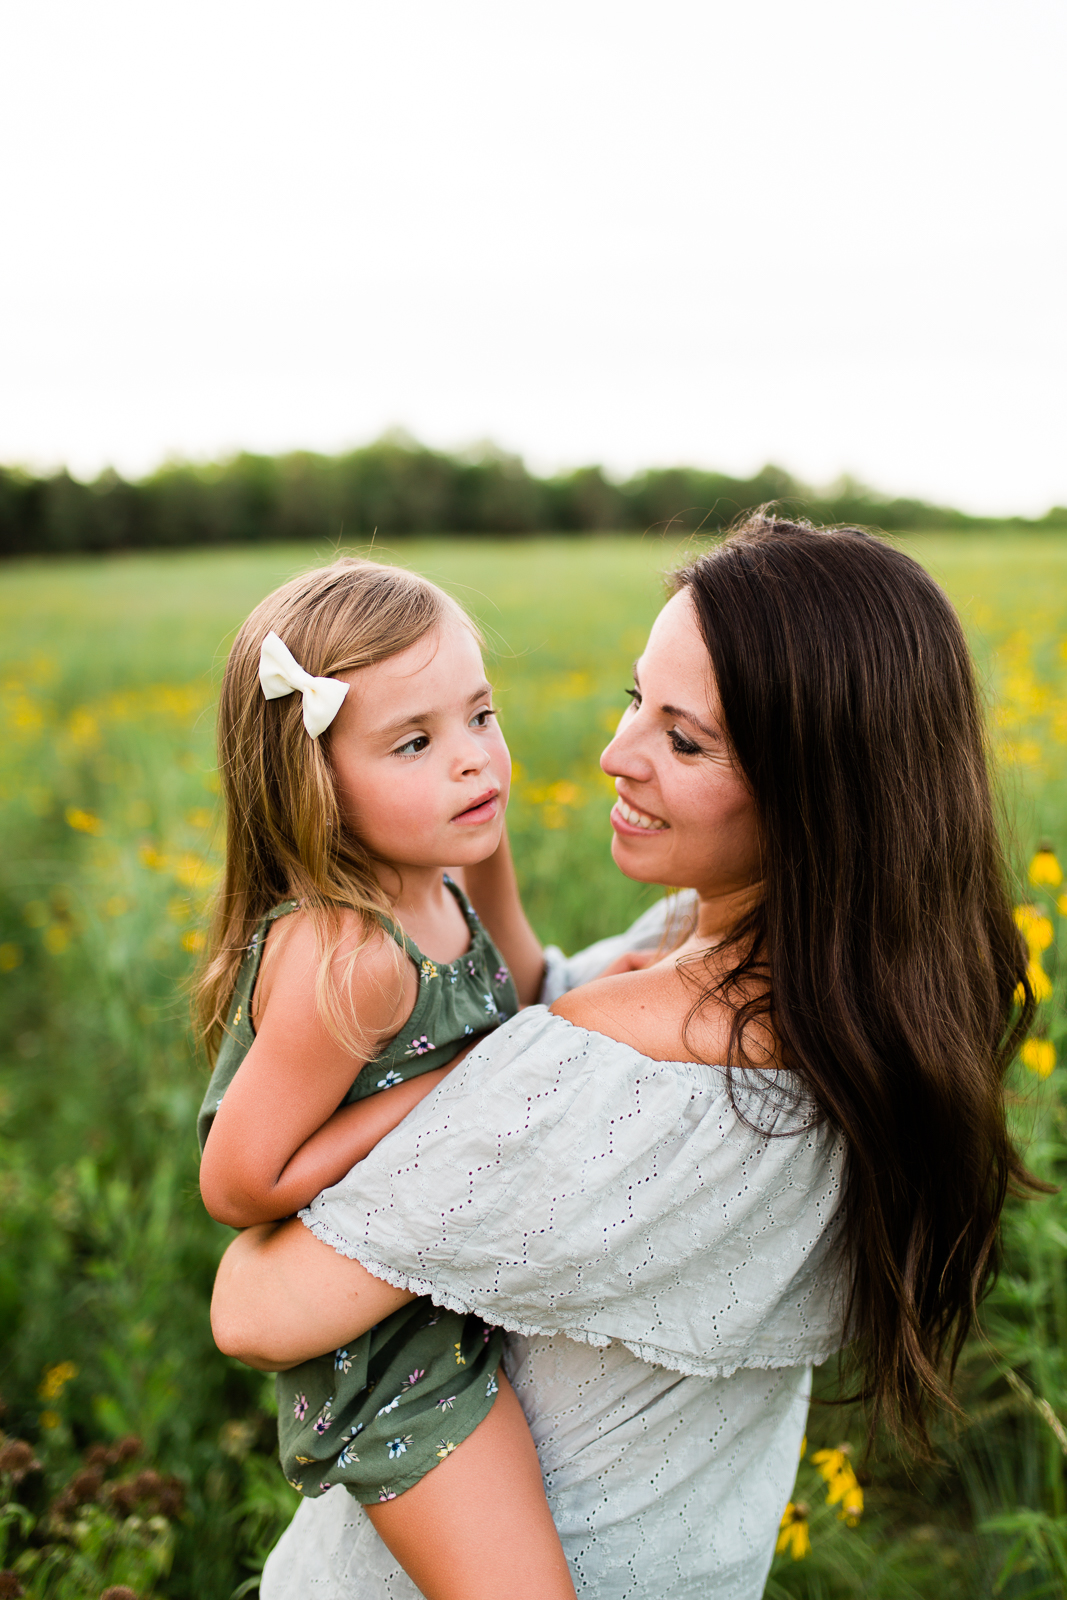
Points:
(282, 1296)
(493, 890)
(278, 1137)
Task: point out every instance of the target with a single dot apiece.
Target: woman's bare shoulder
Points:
(652, 1011)
(646, 1010)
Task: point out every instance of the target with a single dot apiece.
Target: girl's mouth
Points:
(627, 819)
(484, 809)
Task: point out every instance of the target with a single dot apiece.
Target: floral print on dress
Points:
(450, 1373)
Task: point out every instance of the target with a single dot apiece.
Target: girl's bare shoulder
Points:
(367, 965)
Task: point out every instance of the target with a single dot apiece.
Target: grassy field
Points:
(108, 672)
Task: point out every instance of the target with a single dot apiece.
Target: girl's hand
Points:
(631, 961)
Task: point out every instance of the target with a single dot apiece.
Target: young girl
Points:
(360, 757)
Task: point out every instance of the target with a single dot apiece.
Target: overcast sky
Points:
(828, 234)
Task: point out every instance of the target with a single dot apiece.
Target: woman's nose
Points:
(623, 757)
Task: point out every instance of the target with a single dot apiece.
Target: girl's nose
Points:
(474, 757)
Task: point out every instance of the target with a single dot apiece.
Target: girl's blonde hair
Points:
(286, 838)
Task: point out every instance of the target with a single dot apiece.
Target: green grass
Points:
(108, 671)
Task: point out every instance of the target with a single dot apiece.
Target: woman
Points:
(671, 1243)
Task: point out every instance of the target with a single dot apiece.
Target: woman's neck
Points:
(719, 914)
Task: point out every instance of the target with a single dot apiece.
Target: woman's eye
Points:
(413, 747)
(681, 745)
(635, 695)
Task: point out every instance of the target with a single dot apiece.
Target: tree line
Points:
(396, 487)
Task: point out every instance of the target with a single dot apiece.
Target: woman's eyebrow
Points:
(686, 716)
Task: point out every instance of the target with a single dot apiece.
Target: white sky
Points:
(829, 234)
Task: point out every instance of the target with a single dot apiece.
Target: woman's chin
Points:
(634, 859)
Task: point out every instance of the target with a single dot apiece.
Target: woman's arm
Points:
(277, 1138)
(282, 1296)
(494, 892)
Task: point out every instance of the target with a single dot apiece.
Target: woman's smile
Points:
(627, 819)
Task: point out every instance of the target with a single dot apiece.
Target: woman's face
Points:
(684, 816)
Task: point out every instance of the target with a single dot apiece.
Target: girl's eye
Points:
(681, 745)
(480, 719)
(414, 747)
(635, 695)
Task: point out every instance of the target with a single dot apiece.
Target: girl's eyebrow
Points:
(685, 716)
(388, 729)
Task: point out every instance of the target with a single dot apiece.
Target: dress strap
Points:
(410, 948)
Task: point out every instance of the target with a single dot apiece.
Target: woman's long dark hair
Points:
(886, 936)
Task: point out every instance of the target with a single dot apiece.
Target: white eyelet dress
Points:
(665, 1263)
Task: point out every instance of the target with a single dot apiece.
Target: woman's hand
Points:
(282, 1296)
(493, 891)
(631, 961)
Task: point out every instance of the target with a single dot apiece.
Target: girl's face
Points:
(420, 766)
(684, 816)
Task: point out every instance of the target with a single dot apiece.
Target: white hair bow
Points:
(280, 674)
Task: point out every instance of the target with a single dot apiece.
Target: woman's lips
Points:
(626, 818)
(484, 809)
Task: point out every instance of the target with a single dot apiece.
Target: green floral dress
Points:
(380, 1413)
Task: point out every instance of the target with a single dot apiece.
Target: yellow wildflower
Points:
(851, 1505)
(1039, 1055)
(10, 957)
(1040, 982)
(56, 938)
(1035, 928)
(564, 793)
(83, 821)
(1045, 869)
(55, 1380)
(842, 1486)
(832, 1462)
(1061, 905)
(49, 1419)
(192, 940)
(793, 1534)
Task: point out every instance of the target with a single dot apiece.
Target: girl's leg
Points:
(478, 1526)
